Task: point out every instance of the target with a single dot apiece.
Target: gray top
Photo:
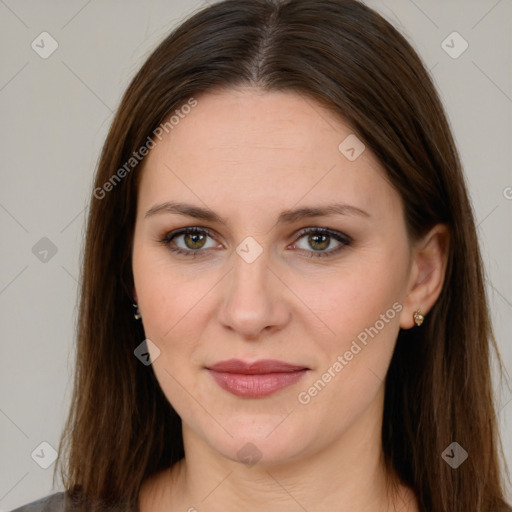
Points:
(53, 503)
(59, 502)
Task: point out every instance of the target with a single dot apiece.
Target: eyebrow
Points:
(285, 217)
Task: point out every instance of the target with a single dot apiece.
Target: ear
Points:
(135, 295)
(426, 278)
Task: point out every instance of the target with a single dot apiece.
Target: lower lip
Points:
(256, 386)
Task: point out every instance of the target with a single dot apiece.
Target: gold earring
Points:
(418, 317)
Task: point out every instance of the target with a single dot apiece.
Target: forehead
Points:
(264, 122)
(263, 148)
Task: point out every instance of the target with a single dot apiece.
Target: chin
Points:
(265, 442)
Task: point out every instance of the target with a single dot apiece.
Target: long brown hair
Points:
(121, 428)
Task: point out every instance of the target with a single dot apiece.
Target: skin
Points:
(248, 154)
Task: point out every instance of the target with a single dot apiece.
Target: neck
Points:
(348, 476)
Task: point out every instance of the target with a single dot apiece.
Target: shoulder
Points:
(52, 503)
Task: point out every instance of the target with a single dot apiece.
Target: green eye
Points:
(194, 241)
(319, 239)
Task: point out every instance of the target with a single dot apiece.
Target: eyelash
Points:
(345, 241)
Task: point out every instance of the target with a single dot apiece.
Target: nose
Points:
(255, 298)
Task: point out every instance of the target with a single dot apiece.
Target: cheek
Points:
(362, 309)
(170, 308)
(360, 303)
(354, 296)
(167, 296)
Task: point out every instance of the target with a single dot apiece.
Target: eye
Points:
(320, 239)
(193, 241)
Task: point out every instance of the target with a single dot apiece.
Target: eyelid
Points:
(341, 238)
(327, 231)
(168, 237)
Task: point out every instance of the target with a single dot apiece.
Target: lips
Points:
(256, 379)
(256, 368)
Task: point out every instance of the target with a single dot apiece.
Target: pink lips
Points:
(257, 379)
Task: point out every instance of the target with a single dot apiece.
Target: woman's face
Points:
(255, 287)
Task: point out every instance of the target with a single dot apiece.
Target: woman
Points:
(281, 199)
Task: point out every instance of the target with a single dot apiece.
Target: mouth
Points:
(257, 379)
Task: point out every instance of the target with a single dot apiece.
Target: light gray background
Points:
(55, 115)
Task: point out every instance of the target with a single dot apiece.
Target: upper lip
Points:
(260, 367)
